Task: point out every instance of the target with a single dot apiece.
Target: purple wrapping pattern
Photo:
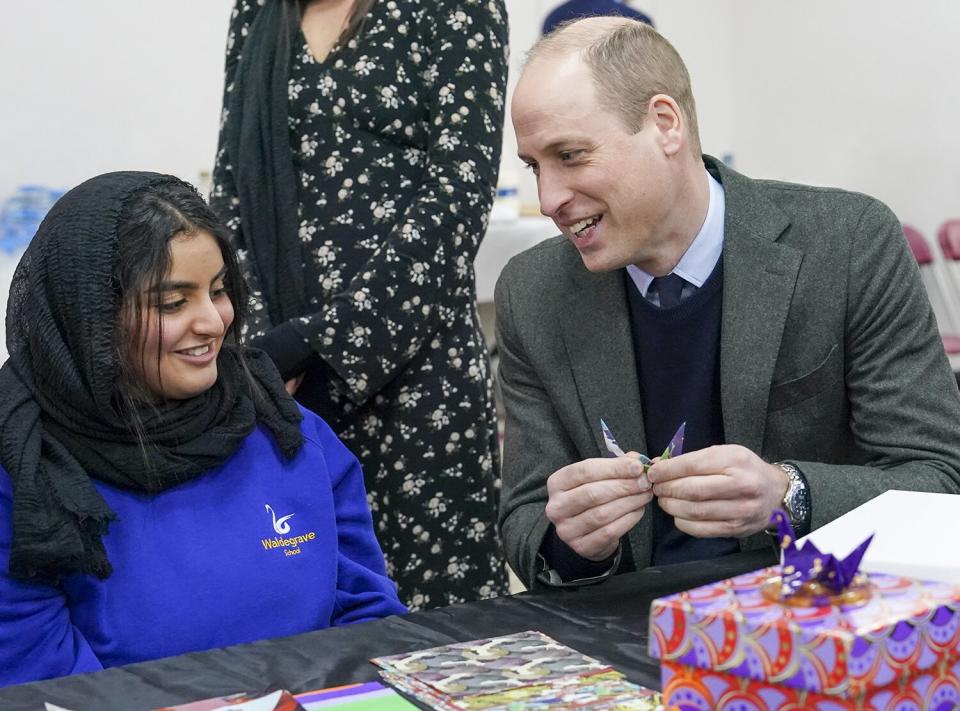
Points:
(907, 627)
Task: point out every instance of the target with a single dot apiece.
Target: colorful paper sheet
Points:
(279, 700)
(371, 696)
(527, 670)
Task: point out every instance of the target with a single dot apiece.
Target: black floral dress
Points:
(396, 140)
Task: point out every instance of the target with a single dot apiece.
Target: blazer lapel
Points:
(759, 277)
(598, 338)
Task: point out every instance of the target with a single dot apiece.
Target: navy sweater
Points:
(678, 367)
(207, 564)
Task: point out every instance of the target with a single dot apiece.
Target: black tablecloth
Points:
(607, 621)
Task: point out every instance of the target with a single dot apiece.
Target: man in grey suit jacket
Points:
(824, 384)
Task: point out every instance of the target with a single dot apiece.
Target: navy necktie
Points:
(669, 288)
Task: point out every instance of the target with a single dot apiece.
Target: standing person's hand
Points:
(293, 384)
(595, 502)
(720, 491)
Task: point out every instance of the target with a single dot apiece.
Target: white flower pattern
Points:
(396, 137)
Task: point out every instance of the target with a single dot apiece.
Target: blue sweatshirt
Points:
(256, 548)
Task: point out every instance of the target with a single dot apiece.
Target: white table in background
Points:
(503, 240)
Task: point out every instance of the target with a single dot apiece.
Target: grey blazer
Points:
(829, 358)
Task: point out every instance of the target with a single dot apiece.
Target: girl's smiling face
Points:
(185, 319)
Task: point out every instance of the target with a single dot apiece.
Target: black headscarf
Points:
(258, 145)
(58, 422)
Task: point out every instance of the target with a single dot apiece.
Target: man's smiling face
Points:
(608, 189)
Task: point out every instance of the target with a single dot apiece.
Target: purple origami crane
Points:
(808, 571)
(674, 449)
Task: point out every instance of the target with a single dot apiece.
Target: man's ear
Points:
(664, 115)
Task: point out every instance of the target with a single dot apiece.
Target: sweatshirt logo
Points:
(280, 526)
(290, 545)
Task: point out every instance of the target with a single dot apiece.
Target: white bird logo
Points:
(281, 525)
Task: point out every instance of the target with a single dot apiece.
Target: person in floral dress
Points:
(359, 148)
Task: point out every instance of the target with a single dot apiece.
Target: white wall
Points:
(699, 31)
(857, 93)
(99, 85)
(854, 93)
(860, 94)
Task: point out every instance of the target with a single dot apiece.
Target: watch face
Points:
(795, 500)
(791, 502)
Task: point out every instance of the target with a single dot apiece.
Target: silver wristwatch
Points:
(796, 502)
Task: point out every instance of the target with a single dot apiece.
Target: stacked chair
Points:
(949, 237)
(942, 281)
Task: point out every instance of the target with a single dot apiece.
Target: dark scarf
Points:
(258, 146)
(58, 423)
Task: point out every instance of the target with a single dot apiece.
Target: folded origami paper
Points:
(674, 449)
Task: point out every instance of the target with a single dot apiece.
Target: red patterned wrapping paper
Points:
(688, 688)
(907, 629)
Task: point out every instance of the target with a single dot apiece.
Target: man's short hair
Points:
(630, 62)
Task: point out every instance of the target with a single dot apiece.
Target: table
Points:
(503, 240)
(607, 621)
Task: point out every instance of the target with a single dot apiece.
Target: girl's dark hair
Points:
(151, 218)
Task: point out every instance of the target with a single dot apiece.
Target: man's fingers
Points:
(732, 517)
(706, 487)
(703, 461)
(725, 490)
(717, 459)
(714, 510)
(565, 505)
(593, 470)
(594, 502)
(596, 518)
(598, 544)
(713, 529)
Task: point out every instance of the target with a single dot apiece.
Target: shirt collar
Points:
(698, 262)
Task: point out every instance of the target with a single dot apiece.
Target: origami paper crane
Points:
(806, 564)
(674, 449)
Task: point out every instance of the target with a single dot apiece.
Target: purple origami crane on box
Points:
(809, 573)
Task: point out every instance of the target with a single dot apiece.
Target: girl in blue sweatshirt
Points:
(160, 492)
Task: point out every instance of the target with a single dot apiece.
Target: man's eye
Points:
(567, 156)
(532, 167)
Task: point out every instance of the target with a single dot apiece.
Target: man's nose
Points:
(553, 192)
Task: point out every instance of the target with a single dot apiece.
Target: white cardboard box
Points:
(916, 534)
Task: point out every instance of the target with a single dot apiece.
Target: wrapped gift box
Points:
(729, 646)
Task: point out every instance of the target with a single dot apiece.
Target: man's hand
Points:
(721, 491)
(593, 503)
